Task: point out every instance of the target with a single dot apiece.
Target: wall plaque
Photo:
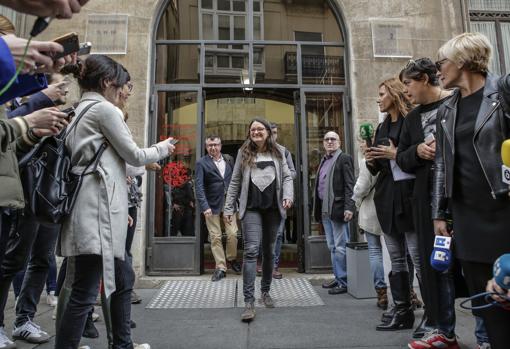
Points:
(391, 38)
(107, 33)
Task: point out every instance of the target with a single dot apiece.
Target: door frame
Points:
(172, 244)
(317, 244)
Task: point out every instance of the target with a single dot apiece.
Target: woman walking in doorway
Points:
(262, 182)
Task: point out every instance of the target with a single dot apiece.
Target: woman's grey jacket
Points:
(241, 177)
(98, 222)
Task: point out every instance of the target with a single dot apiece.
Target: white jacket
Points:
(98, 223)
(363, 196)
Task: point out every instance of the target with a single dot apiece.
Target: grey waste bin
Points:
(359, 276)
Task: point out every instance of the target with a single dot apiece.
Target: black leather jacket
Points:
(492, 127)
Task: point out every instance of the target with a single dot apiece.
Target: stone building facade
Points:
(370, 40)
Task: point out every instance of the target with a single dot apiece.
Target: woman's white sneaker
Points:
(51, 299)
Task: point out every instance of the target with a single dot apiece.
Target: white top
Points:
(220, 164)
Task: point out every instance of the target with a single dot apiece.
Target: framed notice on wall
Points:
(391, 38)
(107, 33)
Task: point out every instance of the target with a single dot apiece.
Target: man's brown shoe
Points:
(248, 313)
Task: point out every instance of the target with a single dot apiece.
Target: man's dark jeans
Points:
(36, 273)
(85, 287)
(29, 239)
(446, 316)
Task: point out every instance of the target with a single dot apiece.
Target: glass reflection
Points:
(175, 203)
(324, 113)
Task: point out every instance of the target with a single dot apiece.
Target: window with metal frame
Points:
(492, 18)
(228, 20)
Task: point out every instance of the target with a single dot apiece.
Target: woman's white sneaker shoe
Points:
(51, 299)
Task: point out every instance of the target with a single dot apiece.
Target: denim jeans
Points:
(375, 256)
(446, 317)
(33, 242)
(337, 235)
(133, 212)
(51, 280)
(85, 287)
(278, 243)
(258, 225)
(36, 273)
(480, 331)
(396, 244)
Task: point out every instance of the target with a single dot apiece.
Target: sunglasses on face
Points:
(440, 63)
(333, 140)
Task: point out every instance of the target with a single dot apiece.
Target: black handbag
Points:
(50, 187)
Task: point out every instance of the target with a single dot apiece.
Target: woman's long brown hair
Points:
(249, 148)
(396, 90)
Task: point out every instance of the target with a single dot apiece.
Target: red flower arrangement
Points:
(175, 174)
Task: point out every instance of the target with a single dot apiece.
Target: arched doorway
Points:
(218, 63)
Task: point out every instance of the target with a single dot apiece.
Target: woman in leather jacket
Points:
(471, 127)
(392, 200)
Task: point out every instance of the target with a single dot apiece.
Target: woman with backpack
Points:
(94, 234)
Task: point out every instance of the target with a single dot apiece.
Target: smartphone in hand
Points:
(383, 141)
(174, 141)
(69, 42)
(430, 138)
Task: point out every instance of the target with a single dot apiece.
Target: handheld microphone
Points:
(505, 157)
(366, 132)
(40, 24)
(501, 271)
(441, 256)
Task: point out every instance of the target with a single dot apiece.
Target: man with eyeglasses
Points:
(334, 207)
(213, 173)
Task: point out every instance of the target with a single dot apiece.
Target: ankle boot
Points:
(388, 315)
(382, 298)
(403, 318)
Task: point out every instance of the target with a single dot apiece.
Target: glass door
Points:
(321, 112)
(172, 212)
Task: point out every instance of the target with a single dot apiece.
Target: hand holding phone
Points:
(69, 42)
(430, 139)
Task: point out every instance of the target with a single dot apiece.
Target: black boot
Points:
(388, 315)
(403, 318)
(90, 330)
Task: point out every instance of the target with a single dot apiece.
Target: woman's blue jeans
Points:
(375, 257)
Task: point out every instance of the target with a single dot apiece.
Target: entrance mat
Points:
(195, 294)
(286, 292)
(228, 293)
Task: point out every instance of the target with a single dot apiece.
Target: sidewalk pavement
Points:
(343, 322)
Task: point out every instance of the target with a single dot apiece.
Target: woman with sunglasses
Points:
(93, 236)
(392, 199)
(262, 182)
(473, 124)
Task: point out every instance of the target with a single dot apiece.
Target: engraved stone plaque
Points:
(391, 38)
(107, 33)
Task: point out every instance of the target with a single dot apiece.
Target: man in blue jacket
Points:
(213, 173)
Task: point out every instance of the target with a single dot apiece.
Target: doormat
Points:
(228, 293)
